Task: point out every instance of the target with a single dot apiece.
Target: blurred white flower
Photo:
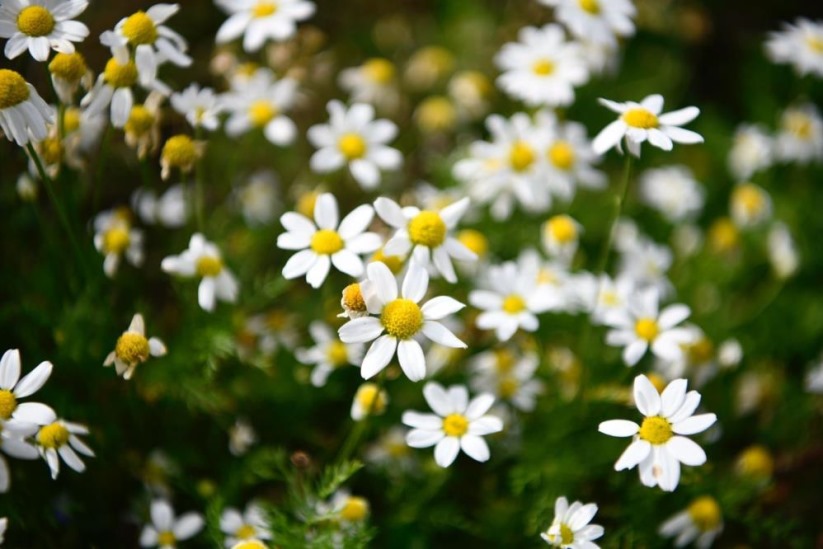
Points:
(800, 136)
(391, 451)
(508, 375)
(369, 400)
(729, 354)
(115, 238)
(570, 528)
(258, 21)
(41, 27)
(200, 106)
(700, 523)
(813, 382)
(251, 524)
(13, 442)
(257, 197)
(169, 209)
(328, 353)
(782, 251)
(242, 436)
(598, 21)
(165, 531)
(750, 205)
(202, 259)
(372, 82)
(752, 151)
(800, 45)
(568, 157)
(560, 235)
(646, 263)
(260, 101)
(673, 191)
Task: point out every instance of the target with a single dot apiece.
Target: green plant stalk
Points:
(360, 427)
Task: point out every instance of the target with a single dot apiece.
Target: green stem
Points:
(97, 182)
(360, 427)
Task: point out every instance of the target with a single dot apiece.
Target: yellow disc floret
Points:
(352, 146)
(656, 430)
(355, 509)
(209, 266)
(261, 112)
(521, 156)
(562, 229)
(71, 119)
(264, 8)
(8, 403)
(116, 239)
(562, 155)
(749, 198)
(13, 89)
(566, 534)
(402, 318)
(436, 114)
(371, 399)
(474, 241)
(514, 304)
(180, 151)
(53, 436)
(798, 124)
(393, 262)
(132, 348)
(120, 76)
(590, 6)
(68, 66)
(640, 118)
(165, 539)
(326, 242)
(646, 329)
(337, 354)
(507, 387)
(250, 544)
(723, 235)
(51, 150)
(140, 121)
(755, 462)
(140, 29)
(352, 300)
(246, 531)
(379, 71)
(543, 67)
(504, 360)
(306, 202)
(35, 21)
(455, 425)
(701, 351)
(427, 229)
(705, 513)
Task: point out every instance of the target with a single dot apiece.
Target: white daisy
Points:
(458, 424)
(673, 191)
(750, 205)
(41, 26)
(701, 522)
(369, 400)
(347, 508)
(659, 445)
(323, 242)
(260, 102)
(168, 210)
(353, 138)
(642, 121)
(200, 106)
(242, 437)
(165, 531)
(426, 234)
(133, 348)
(646, 262)
(402, 319)
(601, 295)
(542, 68)
(13, 442)
(570, 528)
(568, 157)
(257, 198)
(261, 20)
(68, 72)
(12, 388)
(372, 82)
(251, 524)
(598, 21)
(561, 234)
(752, 150)
(800, 136)
(202, 258)
(508, 375)
(800, 45)
(328, 353)
(783, 253)
(59, 440)
(23, 113)
(114, 237)
(391, 452)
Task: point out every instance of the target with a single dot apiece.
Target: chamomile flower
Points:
(347, 508)
(202, 259)
(426, 234)
(391, 452)
(599, 21)
(261, 103)
(673, 191)
(570, 528)
(68, 72)
(13, 442)
(641, 122)
(370, 400)
(168, 210)
(542, 68)
(660, 445)
(133, 348)
(328, 353)
(783, 253)
(200, 106)
(257, 198)
(402, 319)
(800, 136)
(800, 45)
(40, 26)
(353, 138)
(569, 157)
(251, 524)
(242, 437)
(698, 361)
(601, 295)
(23, 113)
(115, 238)
(258, 21)
(561, 234)
(59, 440)
(165, 530)
(508, 376)
(12, 388)
(458, 424)
(752, 151)
(372, 82)
(353, 300)
(325, 241)
(642, 326)
(142, 128)
(646, 262)
(750, 205)
(701, 522)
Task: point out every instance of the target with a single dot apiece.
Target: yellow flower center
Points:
(393, 262)
(504, 360)
(379, 71)
(13, 89)
(561, 155)
(120, 76)
(261, 112)
(590, 6)
(646, 328)
(250, 544)
(658, 382)
(140, 29)
(116, 240)
(53, 436)
(71, 119)
(543, 67)
(246, 531)
(264, 8)
(132, 348)
(521, 156)
(402, 318)
(436, 114)
(507, 387)
(337, 354)
(166, 538)
(705, 513)
(656, 430)
(51, 149)
(371, 399)
(749, 198)
(756, 461)
(140, 121)
(179, 151)
(8, 403)
(455, 425)
(640, 118)
(427, 229)
(352, 146)
(326, 242)
(815, 44)
(474, 240)
(514, 304)
(209, 266)
(701, 351)
(566, 534)
(353, 299)
(68, 66)
(562, 229)
(355, 509)
(306, 202)
(723, 235)
(35, 21)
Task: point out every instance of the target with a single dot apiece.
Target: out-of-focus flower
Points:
(372, 82)
(435, 114)
(752, 151)
(257, 197)
(12, 388)
(602, 295)
(200, 106)
(41, 27)
(4, 523)
(165, 531)
(561, 234)
(347, 508)
(782, 251)
(26, 188)
(598, 21)
(59, 440)
(391, 451)
(814, 379)
(729, 354)
(700, 523)
(251, 524)
(242, 436)
(646, 263)
(13, 442)
(260, 101)
(723, 236)
(800, 136)
(800, 45)
(570, 528)
(328, 353)
(23, 113)
(755, 463)
(258, 21)
(568, 157)
(370, 400)
(698, 361)
(133, 348)
(750, 205)
(471, 92)
(202, 259)
(68, 72)
(142, 128)
(169, 209)
(507, 376)
(181, 152)
(427, 67)
(673, 191)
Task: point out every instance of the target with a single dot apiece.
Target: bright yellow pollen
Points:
(656, 430)
(427, 229)
(264, 8)
(590, 6)
(566, 534)
(352, 146)
(8, 403)
(474, 240)
(120, 76)
(179, 151)
(261, 112)
(355, 509)
(750, 198)
(250, 544)
(379, 71)
(504, 360)
(705, 513)
(521, 156)
(245, 532)
(132, 348)
(723, 235)
(543, 67)
(116, 240)
(371, 399)
(640, 118)
(337, 354)
(140, 121)
(51, 150)
(140, 29)
(646, 328)
(393, 262)
(53, 436)
(326, 242)
(35, 21)
(352, 300)
(514, 304)
(402, 318)
(455, 425)
(68, 66)
(209, 266)
(562, 155)
(13, 89)
(701, 351)
(166, 538)
(507, 387)
(755, 461)
(562, 229)
(71, 119)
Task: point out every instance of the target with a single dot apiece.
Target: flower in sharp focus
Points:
(133, 348)
(13, 388)
(800, 45)
(328, 353)
(115, 238)
(426, 234)
(40, 26)
(325, 241)
(701, 522)
(200, 106)
(165, 530)
(641, 122)
(202, 259)
(659, 444)
(570, 528)
(58, 440)
(251, 524)
(601, 22)
(23, 113)
(370, 400)
(260, 101)
(402, 319)
(260, 20)
(458, 424)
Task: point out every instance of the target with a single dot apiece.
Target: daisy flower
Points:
(646, 262)
(323, 242)
(133, 348)
(12, 388)
(13, 435)
(257, 198)
(391, 452)
(561, 234)
(370, 400)
(59, 440)
(353, 138)
(202, 259)
(242, 437)
(750, 205)
(800, 136)
(800, 45)
(170, 209)
(402, 319)
(599, 21)
(261, 20)
(114, 238)
(570, 528)
(200, 106)
(251, 524)
(458, 424)
(68, 72)
(542, 69)
(700, 523)
(41, 26)
(642, 121)
(260, 102)
(165, 531)
(328, 353)
(752, 151)
(426, 234)
(372, 82)
(673, 191)
(782, 249)
(659, 445)
(23, 113)
(347, 508)
(569, 157)
(507, 376)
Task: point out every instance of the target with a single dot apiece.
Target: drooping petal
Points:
(618, 428)
(378, 356)
(686, 450)
(446, 451)
(475, 447)
(636, 452)
(412, 360)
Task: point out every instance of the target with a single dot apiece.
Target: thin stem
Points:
(97, 182)
(360, 427)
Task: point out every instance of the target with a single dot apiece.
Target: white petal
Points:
(325, 211)
(646, 397)
(634, 454)
(679, 135)
(634, 351)
(34, 412)
(583, 516)
(478, 406)
(384, 281)
(452, 213)
(618, 428)
(390, 212)
(695, 424)
(360, 330)
(419, 438)
(206, 293)
(438, 399)
(347, 262)
(679, 117)
(485, 425)
(440, 307)
(71, 459)
(32, 382)
(299, 264)
(429, 422)
(9, 369)
(415, 283)
(412, 360)
(475, 447)
(444, 264)
(187, 526)
(669, 474)
(442, 335)
(673, 315)
(379, 355)
(609, 137)
(688, 407)
(162, 515)
(446, 451)
(365, 173)
(686, 450)
(356, 222)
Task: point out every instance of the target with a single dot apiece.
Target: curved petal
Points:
(478, 406)
(415, 283)
(475, 447)
(299, 264)
(646, 396)
(187, 526)
(412, 360)
(420, 438)
(437, 399)
(686, 451)
(694, 424)
(485, 425)
(440, 307)
(442, 335)
(34, 412)
(325, 211)
(356, 222)
(636, 452)
(673, 315)
(384, 282)
(428, 422)
(379, 355)
(446, 451)
(9, 369)
(360, 330)
(673, 396)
